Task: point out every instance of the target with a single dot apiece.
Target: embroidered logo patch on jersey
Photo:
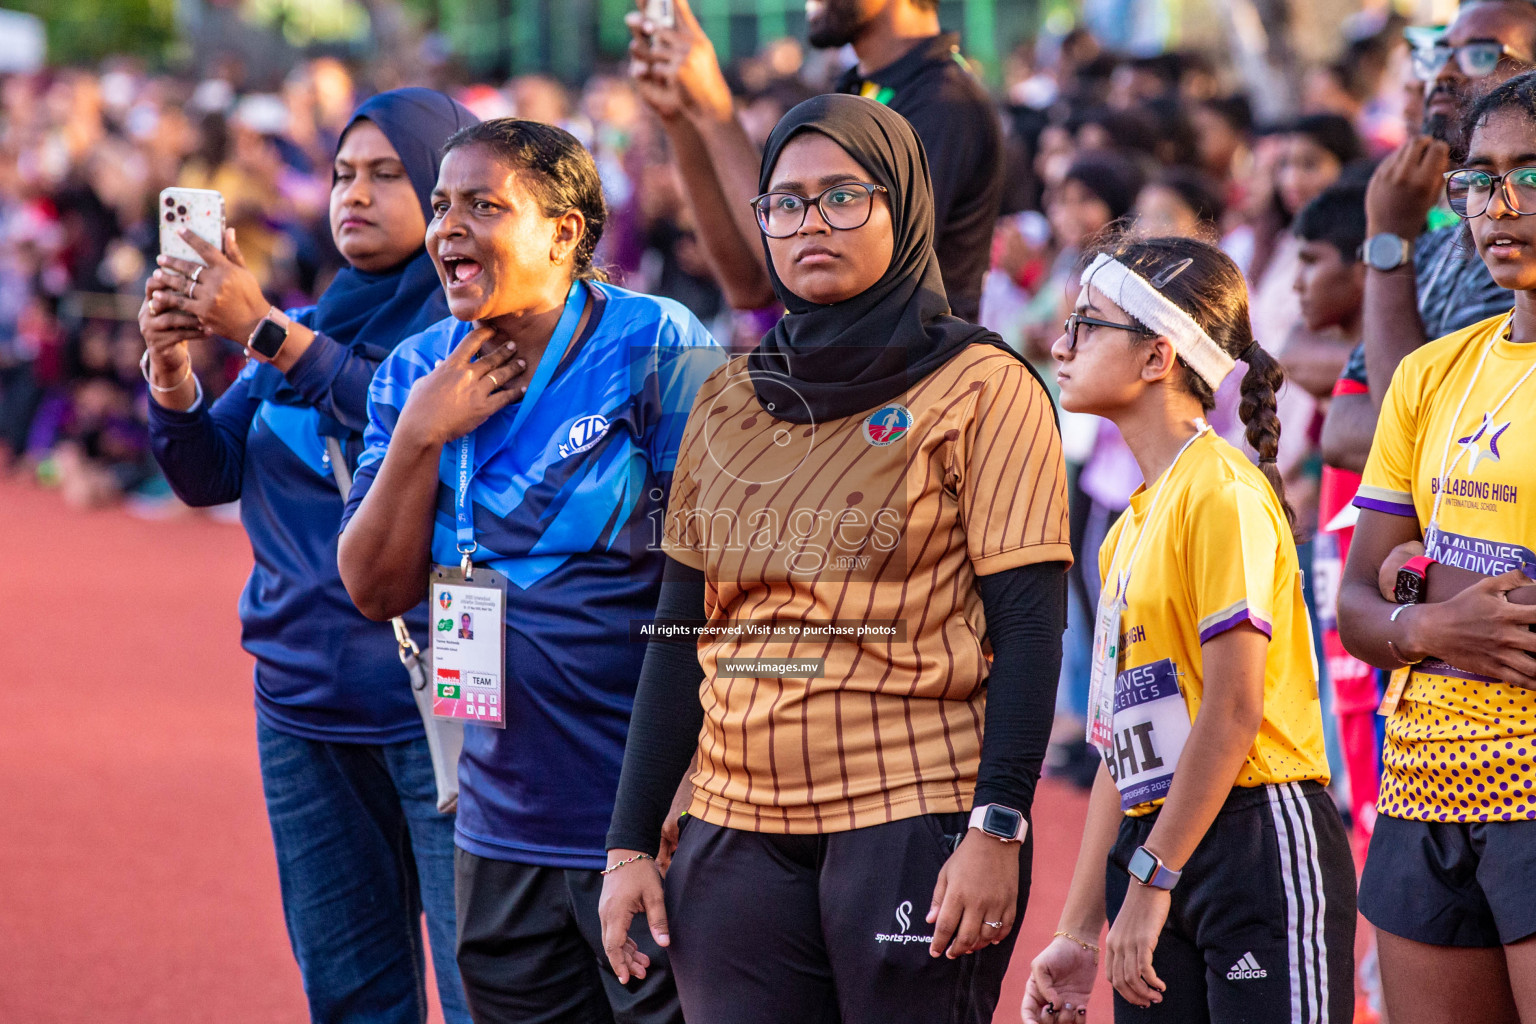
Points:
(584, 433)
(887, 425)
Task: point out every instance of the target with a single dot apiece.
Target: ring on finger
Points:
(191, 288)
(196, 273)
(993, 924)
(494, 382)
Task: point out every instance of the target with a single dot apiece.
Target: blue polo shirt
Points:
(568, 510)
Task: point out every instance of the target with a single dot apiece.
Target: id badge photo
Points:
(469, 645)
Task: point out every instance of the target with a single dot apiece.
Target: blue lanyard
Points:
(554, 353)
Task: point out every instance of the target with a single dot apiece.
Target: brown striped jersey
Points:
(884, 517)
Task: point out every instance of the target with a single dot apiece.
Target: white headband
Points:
(1135, 294)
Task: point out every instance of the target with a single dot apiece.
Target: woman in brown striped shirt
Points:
(868, 519)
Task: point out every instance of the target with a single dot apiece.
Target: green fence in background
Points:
(570, 38)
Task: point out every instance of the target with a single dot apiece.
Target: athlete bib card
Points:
(1150, 729)
(469, 645)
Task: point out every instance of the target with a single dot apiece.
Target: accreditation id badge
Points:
(1101, 681)
(1150, 729)
(469, 645)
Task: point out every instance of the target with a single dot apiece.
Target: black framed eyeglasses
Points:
(1076, 320)
(844, 206)
(1470, 191)
(1475, 59)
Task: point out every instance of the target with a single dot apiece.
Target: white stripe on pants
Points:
(1305, 904)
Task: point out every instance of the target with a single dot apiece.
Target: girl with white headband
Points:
(1211, 846)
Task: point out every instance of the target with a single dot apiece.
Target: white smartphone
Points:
(660, 13)
(200, 210)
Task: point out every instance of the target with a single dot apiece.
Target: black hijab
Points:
(371, 313)
(828, 362)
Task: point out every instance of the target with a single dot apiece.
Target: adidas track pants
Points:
(1262, 924)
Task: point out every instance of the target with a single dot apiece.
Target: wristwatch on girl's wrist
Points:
(1147, 868)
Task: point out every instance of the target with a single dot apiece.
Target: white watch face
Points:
(1384, 252)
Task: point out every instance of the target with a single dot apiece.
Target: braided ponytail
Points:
(1212, 291)
(1261, 419)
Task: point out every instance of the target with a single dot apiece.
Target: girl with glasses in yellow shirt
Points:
(1211, 846)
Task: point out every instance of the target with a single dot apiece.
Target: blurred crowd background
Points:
(1110, 111)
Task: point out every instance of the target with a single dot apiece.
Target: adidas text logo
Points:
(1246, 968)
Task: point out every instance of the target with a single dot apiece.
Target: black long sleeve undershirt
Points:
(1026, 614)
(664, 727)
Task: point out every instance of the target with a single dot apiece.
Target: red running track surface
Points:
(137, 881)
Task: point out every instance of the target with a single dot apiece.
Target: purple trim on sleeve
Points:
(1237, 618)
(1391, 508)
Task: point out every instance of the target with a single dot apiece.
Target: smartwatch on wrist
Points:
(1412, 580)
(269, 335)
(1000, 822)
(1386, 252)
(1148, 869)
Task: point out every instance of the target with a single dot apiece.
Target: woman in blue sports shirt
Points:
(350, 790)
(563, 498)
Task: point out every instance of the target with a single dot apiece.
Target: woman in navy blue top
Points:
(362, 849)
(564, 505)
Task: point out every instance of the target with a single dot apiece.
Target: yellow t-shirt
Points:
(1219, 553)
(1459, 747)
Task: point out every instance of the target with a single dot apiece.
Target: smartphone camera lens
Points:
(170, 218)
(169, 201)
(182, 210)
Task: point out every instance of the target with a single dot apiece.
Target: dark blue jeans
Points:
(361, 852)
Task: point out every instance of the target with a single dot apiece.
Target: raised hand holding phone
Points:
(674, 63)
(218, 289)
(167, 362)
(660, 13)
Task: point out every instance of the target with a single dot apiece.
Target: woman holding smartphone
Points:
(1211, 847)
(362, 849)
(1449, 875)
